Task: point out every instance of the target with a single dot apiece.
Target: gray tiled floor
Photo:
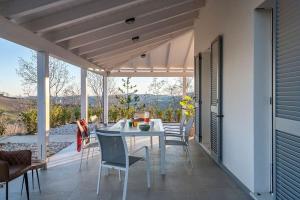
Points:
(205, 181)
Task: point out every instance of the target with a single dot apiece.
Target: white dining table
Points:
(156, 130)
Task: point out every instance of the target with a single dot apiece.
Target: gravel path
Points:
(69, 129)
(59, 138)
(53, 147)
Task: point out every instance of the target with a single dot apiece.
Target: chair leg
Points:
(81, 158)
(151, 142)
(88, 154)
(125, 185)
(32, 179)
(99, 179)
(120, 179)
(148, 168)
(26, 185)
(38, 179)
(6, 187)
(93, 152)
(22, 185)
(189, 155)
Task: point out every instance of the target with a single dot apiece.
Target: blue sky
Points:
(11, 83)
(9, 53)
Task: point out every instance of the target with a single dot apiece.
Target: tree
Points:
(174, 90)
(95, 83)
(58, 74)
(128, 98)
(189, 84)
(71, 94)
(112, 90)
(156, 88)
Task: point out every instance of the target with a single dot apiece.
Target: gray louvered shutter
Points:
(216, 99)
(287, 102)
(197, 88)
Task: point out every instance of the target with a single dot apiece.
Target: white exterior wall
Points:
(235, 21)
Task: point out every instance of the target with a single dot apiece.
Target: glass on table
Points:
(146, 117)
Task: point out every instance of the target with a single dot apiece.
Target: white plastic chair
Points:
(114, 155)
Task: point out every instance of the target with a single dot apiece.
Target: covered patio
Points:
(126, 38)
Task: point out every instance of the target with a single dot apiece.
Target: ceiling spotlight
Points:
(135, 38)
(143, 55)
(130, 20)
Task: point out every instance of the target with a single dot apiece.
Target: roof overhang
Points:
(93, 34)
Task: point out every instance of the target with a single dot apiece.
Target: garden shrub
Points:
(77, 112)
(114, 113)
(29, 119)
(178, 114)
(55, 116)
(95, 111)
(168, 115)
(2, 123)
(159, 113)
(2, 128)
(66, 115)
(60, 115)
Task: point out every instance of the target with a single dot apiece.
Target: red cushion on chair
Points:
(82, 131)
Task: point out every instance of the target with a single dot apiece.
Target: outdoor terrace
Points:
(63, 180)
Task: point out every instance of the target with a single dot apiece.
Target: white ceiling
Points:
(176, 55)
(93, 34)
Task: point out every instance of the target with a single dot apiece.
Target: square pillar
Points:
(105, 99)
(84, 96)
(43, 94)
(184, 86)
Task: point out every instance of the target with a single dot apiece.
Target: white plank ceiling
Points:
(93, 34)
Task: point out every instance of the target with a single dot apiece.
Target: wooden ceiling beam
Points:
(15, 33)
(77, 14)
(101, 22)
(99, 48)
(147, 32)
(19, 8)
(151, 74)
(99, 55)
(142, 24)
(168, 55)
(190, 46)
(126, 55)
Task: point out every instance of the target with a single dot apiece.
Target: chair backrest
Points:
(113, 147)
(94, 122)
(188, 128)
(182, 121)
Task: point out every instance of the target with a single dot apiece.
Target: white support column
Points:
(84, 96)
(105, 99)
(184, 86)
(43, 94)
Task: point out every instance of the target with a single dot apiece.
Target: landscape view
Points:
(127, 96)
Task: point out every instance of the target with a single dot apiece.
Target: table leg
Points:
(162, 154)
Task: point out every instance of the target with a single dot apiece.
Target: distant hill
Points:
(147, 99)
(8, 104)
